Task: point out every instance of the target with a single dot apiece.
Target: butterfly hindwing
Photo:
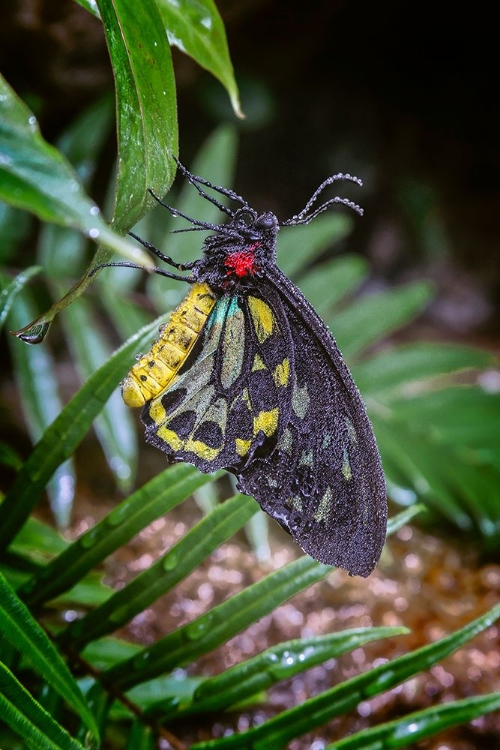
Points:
(324, 481)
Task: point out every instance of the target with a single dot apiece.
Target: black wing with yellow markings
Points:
(324, 481)
(232, 399)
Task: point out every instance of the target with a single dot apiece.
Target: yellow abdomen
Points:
(156, 369)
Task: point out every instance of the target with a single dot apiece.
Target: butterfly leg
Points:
(162, 256)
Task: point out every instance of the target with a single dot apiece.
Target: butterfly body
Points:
(263, 391)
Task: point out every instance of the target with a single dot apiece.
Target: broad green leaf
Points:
(165, 573)
(61, 438)
(25, 716)
(419, 725)
(36, 177)
(24, 634)
(326, 284)
(145, 103)
(299, 246)
(276, 733)
(390, 374)
(196, 28)
(369, 318)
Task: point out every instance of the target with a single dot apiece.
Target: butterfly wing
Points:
(231, 401)
(323, 482)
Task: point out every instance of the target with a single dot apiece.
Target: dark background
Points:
(405, 95)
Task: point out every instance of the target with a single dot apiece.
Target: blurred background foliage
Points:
(409, 292)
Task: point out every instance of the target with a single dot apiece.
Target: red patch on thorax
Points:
(242, 262)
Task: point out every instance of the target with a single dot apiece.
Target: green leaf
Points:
(215, 627)
(36, 379)
(165, 573)
(60, 440)
(114, 426)
(11, 290)
(299, 246)
(460, 416)
(145, 103)
(154, 499)
(426, 469)
(326, 284)
(24, 634)
(196, 28)
(276, 733)
(140, 737)
(36, 177)
(368, 319)
(38, 541)
(388, 374)
(420, 724)
(281, 662)
(22, 713)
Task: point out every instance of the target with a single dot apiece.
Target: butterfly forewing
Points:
(232, 399)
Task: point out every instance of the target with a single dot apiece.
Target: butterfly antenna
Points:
(304, 217)
(159, 271)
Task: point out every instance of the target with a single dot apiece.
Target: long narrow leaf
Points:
(278, 663)
(369, 318)
(165, 573)
(219, 624)
(386, 374)
(328, 283)
(114, 426)
(36, 380)
(420, 724)
(151, 501)
(10, 290)
(62, 437)
(24, 634)
(299, 246)
(279, 731)
(21, 712)
(140, 737)
(222, 622)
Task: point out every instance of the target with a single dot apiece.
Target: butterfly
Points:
(245, 376)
